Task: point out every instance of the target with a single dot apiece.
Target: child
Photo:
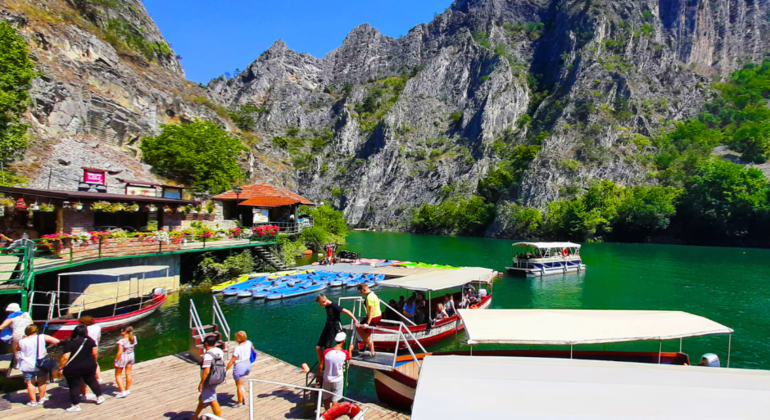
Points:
(125, 360)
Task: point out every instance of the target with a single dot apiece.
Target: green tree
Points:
(200, 154)
(752, 140)
(16, 74)
(523, 222)
(589, 215)
(648, 208)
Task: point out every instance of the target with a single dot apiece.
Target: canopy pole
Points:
(471, 350)
(660, 350)
(430, 311)
(680, 344)
(729, 348)
(570, 351)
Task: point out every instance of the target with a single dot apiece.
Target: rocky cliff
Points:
(381, 125)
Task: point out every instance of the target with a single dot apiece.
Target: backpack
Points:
(217, 371)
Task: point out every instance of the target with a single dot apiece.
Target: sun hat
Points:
(14, 307)
(340, 337)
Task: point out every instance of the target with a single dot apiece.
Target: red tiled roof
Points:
(267, 195)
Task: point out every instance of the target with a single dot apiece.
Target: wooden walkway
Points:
(166, 388)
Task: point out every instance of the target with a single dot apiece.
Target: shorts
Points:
(326, 340)
(335, 388)
(30, 376)
(241, 370)
(208, 394)
(375, 321)
(125, 360)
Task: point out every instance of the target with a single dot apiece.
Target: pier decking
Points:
(166, 388)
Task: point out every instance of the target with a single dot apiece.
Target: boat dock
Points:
(166, 388)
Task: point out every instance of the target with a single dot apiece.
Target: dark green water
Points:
(728, 285)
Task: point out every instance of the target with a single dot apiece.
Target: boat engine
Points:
(158, 291)
(710, 360)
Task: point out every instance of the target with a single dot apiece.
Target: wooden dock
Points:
(166, 388)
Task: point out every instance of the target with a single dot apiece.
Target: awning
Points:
(120, 271)
(463, 387)
(442, 279)
(569, 327)
(548, 245)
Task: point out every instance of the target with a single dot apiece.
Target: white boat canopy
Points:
(572, 327)
(548, 245)
(120, 271)
(463, 387)
(442, 279)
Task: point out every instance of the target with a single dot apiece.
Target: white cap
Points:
(340, 337)
(14, 307)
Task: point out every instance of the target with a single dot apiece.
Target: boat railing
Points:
(72, 306)
(319, 403)
(401, 329)
(219, 319)
(398, 313)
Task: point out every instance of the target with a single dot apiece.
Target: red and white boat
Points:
(110, 312)
(401, 332)
(396, 386)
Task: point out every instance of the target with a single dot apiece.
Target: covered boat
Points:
(386, 335)
(132, 300)
(396, 386)
(544, 258)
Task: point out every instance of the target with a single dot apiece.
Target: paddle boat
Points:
(387, 335)
(544, 258)
(296, 290)
(396, 380)
(239, 288)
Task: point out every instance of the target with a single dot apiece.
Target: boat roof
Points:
(463, 387)
(545, 245)
(441, 279)
(120, 271)
(579, 326)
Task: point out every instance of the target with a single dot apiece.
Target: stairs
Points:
(270, 258)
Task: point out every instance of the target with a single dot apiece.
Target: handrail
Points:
(218, 315)
(399, 314)
(408, 331)
(320, 391)
(196, 320)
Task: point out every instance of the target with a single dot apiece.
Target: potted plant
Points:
(20, 204)
(151, 208)
(48, 208)
(187, 209)
(78, 206)
(182, 209)
(194, 210)
(132, 208)
(101, 206)
(34, 207)
(210, 208)
(116, 207)
(6, 202)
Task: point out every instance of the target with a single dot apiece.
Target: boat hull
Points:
(62, 329)
(546, 271)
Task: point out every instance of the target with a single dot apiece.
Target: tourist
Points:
(332, 326)
(32, 348)
(333, 370)
(95, 332)
(212, 356)
(124, 360)
(409, 308)
(449, 304)
(465, 302)
(372, 318)
(79, 365)
(14, 325)
(401, 303)
(243, 356)
(440, 313)
(421, 311)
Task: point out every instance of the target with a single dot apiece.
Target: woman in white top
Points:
(440, 313)
(242, 359)
(124, 360)
(32, 348)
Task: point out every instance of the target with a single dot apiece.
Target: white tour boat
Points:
(543, 258)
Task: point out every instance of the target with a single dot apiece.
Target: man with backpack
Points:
(212, 374)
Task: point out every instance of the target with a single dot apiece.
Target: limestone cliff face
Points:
(593, 76)
(108, 78)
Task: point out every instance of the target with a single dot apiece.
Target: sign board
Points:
(91, 176)
(143, 191)
(261, 215)
(175, 193)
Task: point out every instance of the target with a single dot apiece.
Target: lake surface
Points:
(728, 285)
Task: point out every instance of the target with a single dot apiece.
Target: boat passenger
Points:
(420, 312)
(440, 313)
(243, 356)
(449, 304)
(465, 302)
(409, 307)
(212, 355)
(401, 303)
(79, 365)
(391, 314)
(32, 348)
(333, 370)
(95, 332)
(332, 326)
(372, 318)
(124, 360)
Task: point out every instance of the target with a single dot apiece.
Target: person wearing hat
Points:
(334, 370)
(15, 323)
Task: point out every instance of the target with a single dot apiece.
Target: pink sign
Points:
(91, 177)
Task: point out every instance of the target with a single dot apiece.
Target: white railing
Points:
(219, 319)
(364, 407)
(195, 321)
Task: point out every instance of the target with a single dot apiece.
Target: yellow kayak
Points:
(222, 286)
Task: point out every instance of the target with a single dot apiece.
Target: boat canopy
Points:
(120, 271)
(572, 327)
(463, 387)
(547, 245)
(442, 279)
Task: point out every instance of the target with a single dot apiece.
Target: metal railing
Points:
(364, 407)
(55, 303)
(290, 227)
(195, 321)
(218, 319)
(23, 251)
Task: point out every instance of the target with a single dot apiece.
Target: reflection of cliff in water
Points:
(557, 291)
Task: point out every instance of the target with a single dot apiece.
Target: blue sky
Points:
(214, 37)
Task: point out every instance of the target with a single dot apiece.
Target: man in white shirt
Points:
(334, 370)
(208, 393)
